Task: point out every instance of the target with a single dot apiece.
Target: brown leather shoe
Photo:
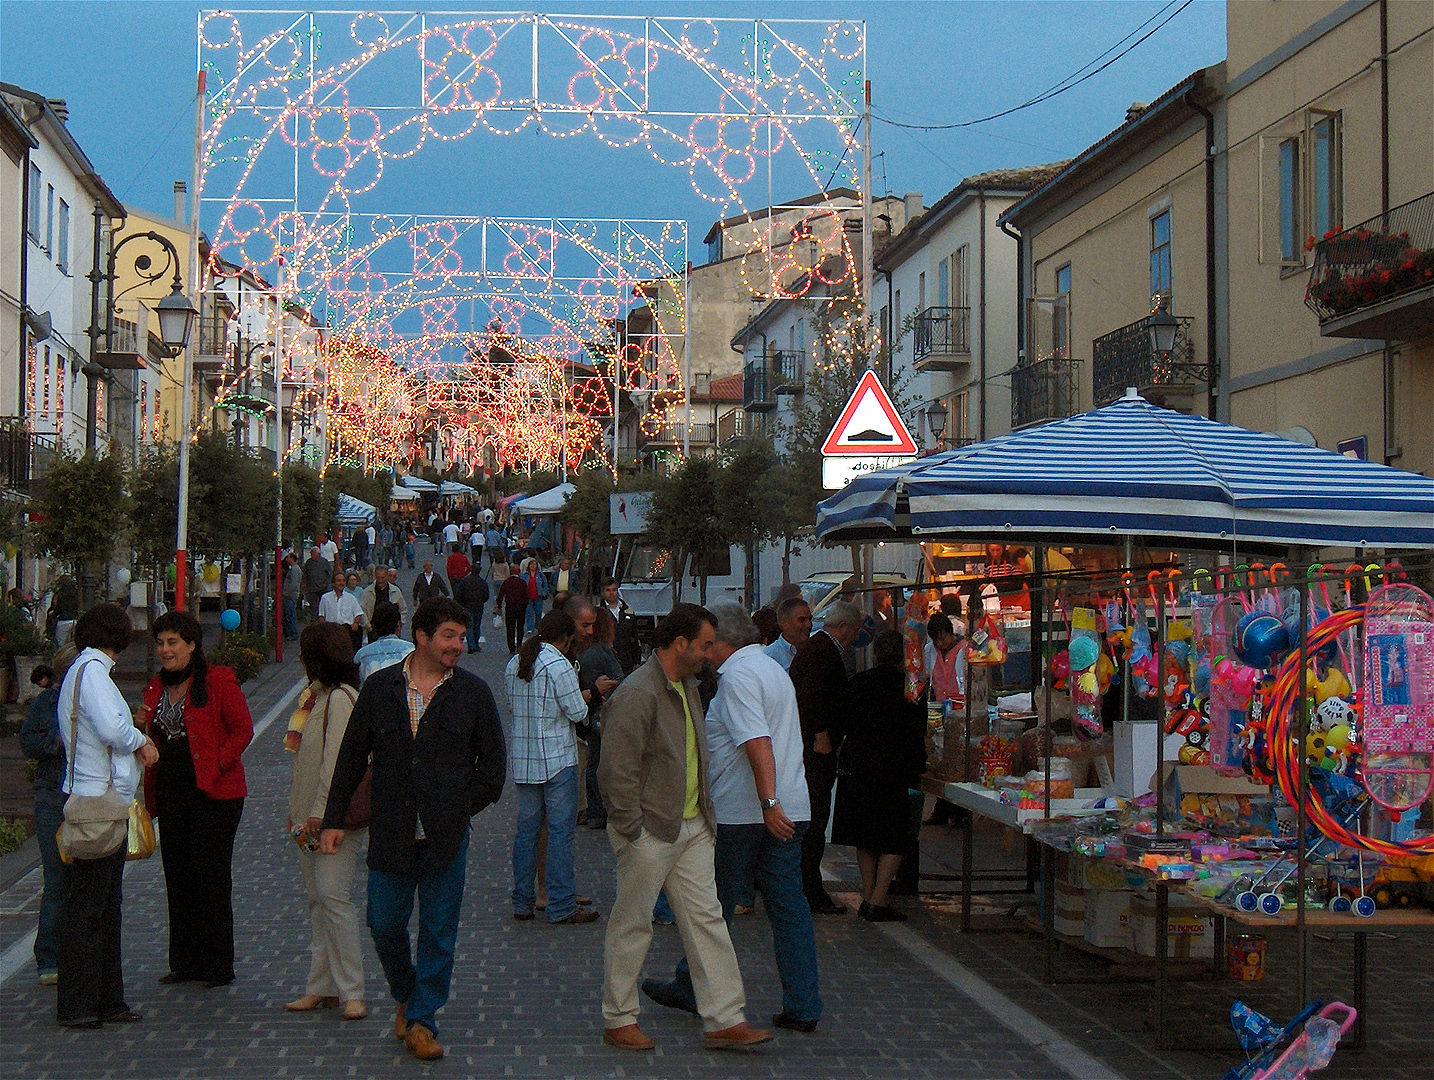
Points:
(737, 1037)
(310, 1002)
(400, 1023)
(582, 915)
(422, 1044)
(627, 1037)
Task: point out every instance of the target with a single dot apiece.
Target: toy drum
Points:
(1246, 956)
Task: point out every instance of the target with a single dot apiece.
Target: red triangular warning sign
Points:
(869, 424)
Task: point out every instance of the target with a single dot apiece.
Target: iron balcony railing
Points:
(699, 434)
(1377, 260)
(1046, 390)
(736, 424)
(1125, 358)
(25, 457)
(941, 331)
(781, 371)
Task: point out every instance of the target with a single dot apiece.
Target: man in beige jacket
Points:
(662, 828)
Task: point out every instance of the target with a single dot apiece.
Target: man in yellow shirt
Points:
(654, 780)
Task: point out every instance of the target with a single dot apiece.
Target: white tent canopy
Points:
(545, 504)
(453, 487)
(403, 494)
(354, 511)
(418, 483)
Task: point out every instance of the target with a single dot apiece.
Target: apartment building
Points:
(1273, 215)
(947, 301)
(66, 205)
(1328, 148)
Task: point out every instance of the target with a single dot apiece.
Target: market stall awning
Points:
(505, 501)
(1132, 469)
(545, 504)
(403, 494)
(418, 483)
(453, 487)
(354, 511)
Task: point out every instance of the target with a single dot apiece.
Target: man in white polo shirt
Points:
(759, 793)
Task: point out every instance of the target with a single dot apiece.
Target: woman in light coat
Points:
(105, 748)
(336, 964)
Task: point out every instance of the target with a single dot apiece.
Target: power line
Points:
(1069, 82)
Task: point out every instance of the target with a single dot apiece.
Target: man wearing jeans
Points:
(543, 691)
(654, 779)
(437, 747)
(759, 791)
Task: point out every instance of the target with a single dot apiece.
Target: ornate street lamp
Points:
(1163, 328)
(176, 318)
(936, 421)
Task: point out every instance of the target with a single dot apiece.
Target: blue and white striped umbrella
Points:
(1131, 468)
(354, 511)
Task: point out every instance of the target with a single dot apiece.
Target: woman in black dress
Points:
(881, 757)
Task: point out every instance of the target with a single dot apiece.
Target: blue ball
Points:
(229, 619)
(1260, 638)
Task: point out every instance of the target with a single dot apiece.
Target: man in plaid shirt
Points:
(543, 758)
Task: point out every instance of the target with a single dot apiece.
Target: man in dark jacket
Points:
(472, 592)
(438, 758)
(428, 584)
(317, 573)
(819, 676)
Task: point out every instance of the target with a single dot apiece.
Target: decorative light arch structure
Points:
(494, 334)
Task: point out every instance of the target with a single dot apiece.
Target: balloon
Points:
(122, 576)
(229, 619)
(211, 573)
(1260, 638)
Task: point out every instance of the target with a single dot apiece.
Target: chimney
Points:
(61, 109)
(913, 204)
(180, 190)
(1136, 110)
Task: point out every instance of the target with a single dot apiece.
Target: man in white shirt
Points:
(794, 618)
(343, 607)
(330, 551)
(759, 793)
(450, 534)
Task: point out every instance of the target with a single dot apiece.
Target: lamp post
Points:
(936, 421)
(1163, 328)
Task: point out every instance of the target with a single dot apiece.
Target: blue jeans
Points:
(597, 811)
(748, 853)
(291, 617)
(424, 989)
(475, 628)
(533, 614)
(49, 816)
(557, 803)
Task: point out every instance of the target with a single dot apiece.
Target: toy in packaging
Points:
(1084, 651)
(987, 644)
(1398, 696)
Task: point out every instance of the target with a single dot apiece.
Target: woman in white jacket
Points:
(106, 748)
(336, 964)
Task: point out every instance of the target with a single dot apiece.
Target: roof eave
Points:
(71, 149)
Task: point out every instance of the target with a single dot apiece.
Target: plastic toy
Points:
(1398, 702)
(1314, 1047)
(1084, 652)
(229, 619)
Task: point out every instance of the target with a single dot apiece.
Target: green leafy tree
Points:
(231, 498)
(746, 514)
(81, 511)
(154, 507)
(685, 517)
(586, 511)
(301, 501)
(373, 488)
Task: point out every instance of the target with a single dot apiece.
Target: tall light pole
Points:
(186, 408)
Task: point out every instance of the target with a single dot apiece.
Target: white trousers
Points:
(644, 867)
(336, 963)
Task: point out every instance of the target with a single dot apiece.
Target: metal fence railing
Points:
(1377, 260)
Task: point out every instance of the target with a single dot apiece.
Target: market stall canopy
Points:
(354, 511)
(1132, 469)
(506, 501)
(453, 487)
(545, 504)
(403, 494)
(418, 483)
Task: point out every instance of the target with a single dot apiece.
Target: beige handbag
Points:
(95, 825)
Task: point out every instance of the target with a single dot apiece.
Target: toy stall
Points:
(1273, 747)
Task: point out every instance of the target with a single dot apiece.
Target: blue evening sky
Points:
(127, 71)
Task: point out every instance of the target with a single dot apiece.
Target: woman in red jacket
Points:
(200, 722)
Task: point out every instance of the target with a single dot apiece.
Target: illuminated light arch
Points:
(310, 113)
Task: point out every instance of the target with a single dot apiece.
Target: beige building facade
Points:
(1279, 206)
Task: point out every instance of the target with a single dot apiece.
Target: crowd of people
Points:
(712, 765)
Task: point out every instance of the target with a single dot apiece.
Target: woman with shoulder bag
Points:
(101, 748)
(336, 967)
(200, 721)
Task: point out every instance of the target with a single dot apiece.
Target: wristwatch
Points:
(767, 804)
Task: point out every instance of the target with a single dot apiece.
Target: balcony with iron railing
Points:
(699, 434)
(213, 348)
(734, 425)
(1376, 280)
(939, 340)
(780, 371)
(25, 457)
(1048, 389)
(1127, 357)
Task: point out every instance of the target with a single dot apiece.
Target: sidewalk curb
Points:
(19, 862)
